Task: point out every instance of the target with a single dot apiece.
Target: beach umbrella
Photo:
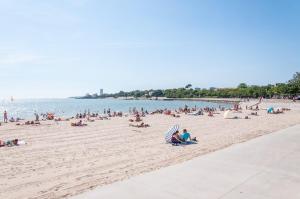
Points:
(170, 133)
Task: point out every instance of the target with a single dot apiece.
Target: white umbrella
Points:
(170, 132)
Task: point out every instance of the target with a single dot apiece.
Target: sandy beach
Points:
(60, 161)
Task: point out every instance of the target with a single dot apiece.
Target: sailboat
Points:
(11, 98)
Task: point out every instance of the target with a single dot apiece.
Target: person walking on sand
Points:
(5, 118)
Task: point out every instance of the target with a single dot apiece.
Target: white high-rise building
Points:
(101, 92)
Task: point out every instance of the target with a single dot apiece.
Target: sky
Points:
(63, 48)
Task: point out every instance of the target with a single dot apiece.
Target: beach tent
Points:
(270, 110)
(230, 115)
(170, 132)
(227, 114)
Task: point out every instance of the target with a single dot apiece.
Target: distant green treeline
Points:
(289, 89)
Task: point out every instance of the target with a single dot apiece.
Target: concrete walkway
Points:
(262, 168)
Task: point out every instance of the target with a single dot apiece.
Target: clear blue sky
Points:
(62, 48)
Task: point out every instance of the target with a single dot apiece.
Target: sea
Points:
(26, 108)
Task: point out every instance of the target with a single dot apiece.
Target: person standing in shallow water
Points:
(5, 118)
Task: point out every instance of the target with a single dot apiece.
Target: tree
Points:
(95, 95)
(188, 86)
(294, 84)
(121, 94)
(88, 95)
(242, 85)
(157, 93)
(291, 88)
(295, 79)
(137, 94)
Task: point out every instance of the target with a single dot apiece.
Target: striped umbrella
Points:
(170, 132)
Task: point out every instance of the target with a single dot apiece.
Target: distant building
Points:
(101, 92)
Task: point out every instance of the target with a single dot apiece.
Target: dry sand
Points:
(60, 160)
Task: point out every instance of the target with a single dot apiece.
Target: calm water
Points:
(69, 107)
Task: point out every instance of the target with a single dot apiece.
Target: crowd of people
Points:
(108, 113)
(136, 117)
(137, 113)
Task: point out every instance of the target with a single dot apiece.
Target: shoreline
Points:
(204, 99)
(66, 113)
(214, 100)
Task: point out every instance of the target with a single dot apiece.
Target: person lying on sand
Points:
(278, 110)
(271, 110)
(200, 112)
(12, 119)
(103, 118)
(10, 143)
(78, 123)
(138, 118)
(254, 113)
(185, 136)
(2, 143)
(28, 123)
(142, 125)
(58, 119)
(62, 119)
(90, 120)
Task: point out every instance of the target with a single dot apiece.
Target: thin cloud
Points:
(19, 58)
(143, 44)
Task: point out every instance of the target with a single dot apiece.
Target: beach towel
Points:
(21, 142)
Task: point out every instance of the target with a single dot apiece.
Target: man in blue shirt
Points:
(187, 136)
